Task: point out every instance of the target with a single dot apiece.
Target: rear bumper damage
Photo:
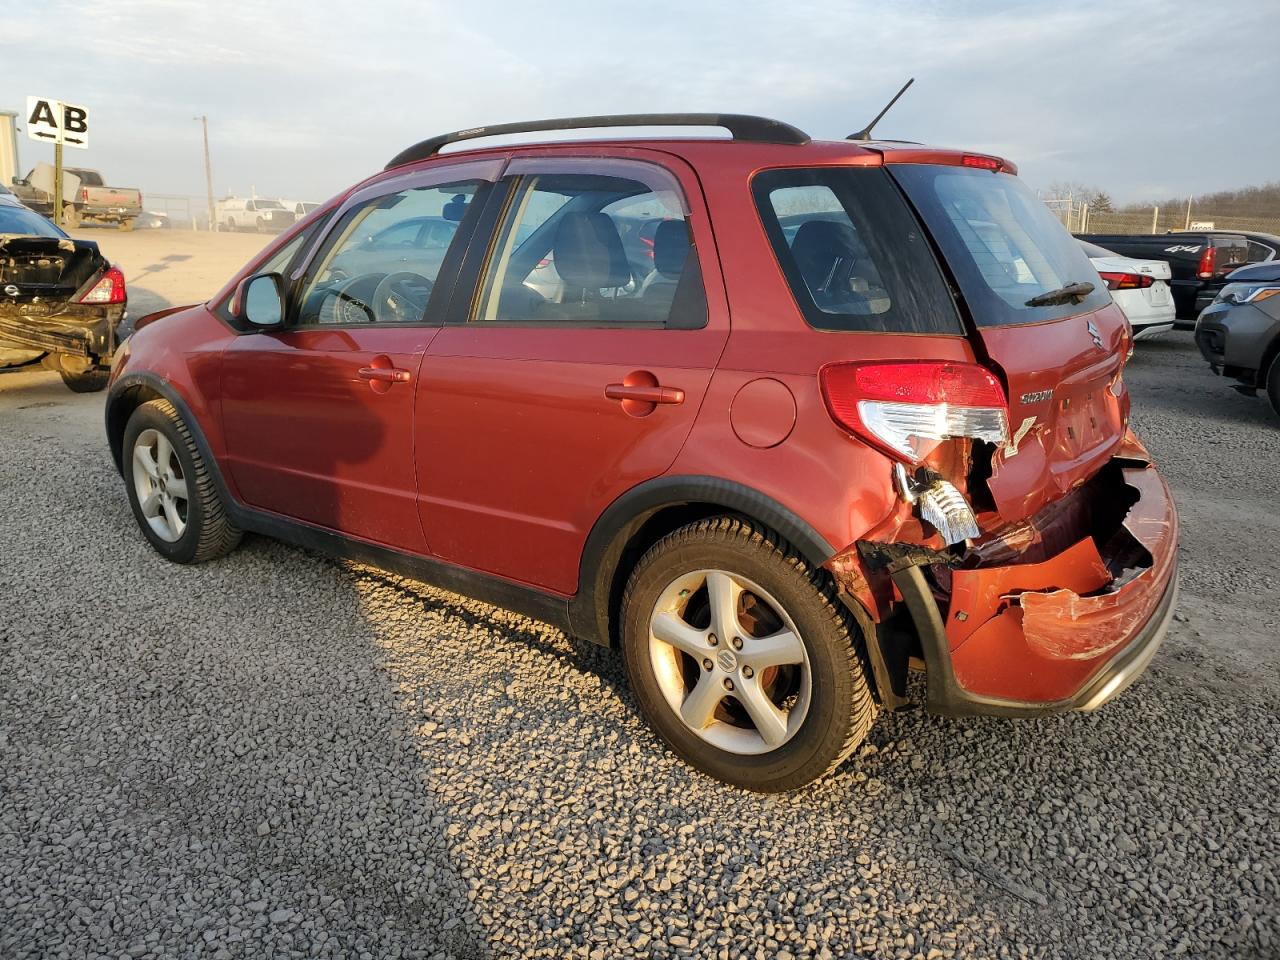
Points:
(1059, 612)
(78, 330)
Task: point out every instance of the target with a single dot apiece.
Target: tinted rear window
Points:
(1232, 251)
(1093, 250)
(854, 255)
(1001, 241)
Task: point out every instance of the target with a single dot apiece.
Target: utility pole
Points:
(208, 168)
(1187, 225)
(58, 218)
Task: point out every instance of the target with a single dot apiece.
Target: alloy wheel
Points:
(729, 662)
(160, 486)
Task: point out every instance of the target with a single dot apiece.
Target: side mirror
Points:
(260, 300)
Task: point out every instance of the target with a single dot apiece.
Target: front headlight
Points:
(1247, 292)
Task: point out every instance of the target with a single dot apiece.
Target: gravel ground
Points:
(280, 755)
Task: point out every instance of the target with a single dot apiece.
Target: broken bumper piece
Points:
(1061, 612)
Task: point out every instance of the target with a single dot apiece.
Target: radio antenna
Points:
(865, 132)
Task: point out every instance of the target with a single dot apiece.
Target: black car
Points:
(1199, 262)
(61, 301)
(1239, 333)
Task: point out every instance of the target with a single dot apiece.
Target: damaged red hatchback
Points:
(782, 419)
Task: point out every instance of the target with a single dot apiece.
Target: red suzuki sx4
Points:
(782, 420)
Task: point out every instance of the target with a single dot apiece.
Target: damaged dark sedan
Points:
(61, 301)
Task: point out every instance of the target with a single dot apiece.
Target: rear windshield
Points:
(1001, 241)
(24, 223)
(1232, 251)
(1093, 250)
(854, 255)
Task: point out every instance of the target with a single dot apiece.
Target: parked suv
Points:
(862, 409)
(1239, 333)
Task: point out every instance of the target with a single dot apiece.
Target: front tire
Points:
(742, 659)
(171, 489)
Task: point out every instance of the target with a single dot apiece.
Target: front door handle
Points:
(644, 393)
(384, 374)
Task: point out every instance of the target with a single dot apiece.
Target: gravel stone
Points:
(439, 778)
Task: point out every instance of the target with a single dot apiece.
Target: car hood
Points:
(1263, 272)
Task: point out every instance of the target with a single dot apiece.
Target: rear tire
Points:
(90, 381)
(70, 216)
(171, 490)
(125, 225)
(780, 615)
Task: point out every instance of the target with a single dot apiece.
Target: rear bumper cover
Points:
(1060, 612)
(947, 696)
(80, 330)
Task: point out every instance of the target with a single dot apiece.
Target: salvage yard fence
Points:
(1079, 217)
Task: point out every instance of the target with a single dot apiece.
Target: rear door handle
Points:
(644, 393)
(384, 374)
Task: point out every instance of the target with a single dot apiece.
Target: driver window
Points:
(387, 255)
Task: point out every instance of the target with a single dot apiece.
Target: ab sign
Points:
(52, 121)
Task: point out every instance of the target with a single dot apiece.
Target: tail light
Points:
(84, 194)
(109, 289)
(1208, 262)
(1127, 281)
(906, 408)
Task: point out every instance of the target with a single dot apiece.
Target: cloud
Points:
(307, 97)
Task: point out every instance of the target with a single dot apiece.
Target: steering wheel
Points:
(348, 304)
(401, 297)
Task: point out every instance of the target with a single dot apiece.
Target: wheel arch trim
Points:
(166, 390)
(623, 518)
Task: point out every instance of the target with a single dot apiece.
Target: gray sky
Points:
(304, 97)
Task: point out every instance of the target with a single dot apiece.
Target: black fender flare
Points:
(589, 610)
(165, 389)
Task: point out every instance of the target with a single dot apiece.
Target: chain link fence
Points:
(1079, 217)
(1157, 220)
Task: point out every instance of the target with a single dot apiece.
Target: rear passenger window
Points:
(852, 252)
(593, 249)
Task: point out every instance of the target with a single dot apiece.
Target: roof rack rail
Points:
(741, 126)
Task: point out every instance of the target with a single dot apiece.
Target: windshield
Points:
(25, 223)
(1003, 244)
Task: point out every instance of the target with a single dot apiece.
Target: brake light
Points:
(1208, 262)
(109, 289)
(84, 194)
(1127, 281)
(980, 162)
(907, 407)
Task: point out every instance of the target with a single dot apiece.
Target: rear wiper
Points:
(1071, 293)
